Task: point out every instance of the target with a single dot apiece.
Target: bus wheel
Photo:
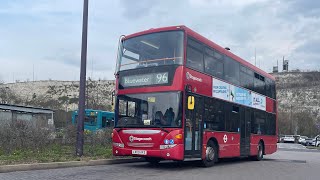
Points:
(259, 156)
(153, 161)
(211, 154)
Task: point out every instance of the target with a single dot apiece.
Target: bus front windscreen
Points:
(156, 49)
(149, 110)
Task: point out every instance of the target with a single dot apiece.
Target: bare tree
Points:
(307, 124)
(284, 123)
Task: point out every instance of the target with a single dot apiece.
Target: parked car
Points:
(302, 139)
(316, 141)
(280, 138)
(288, 138)
(307, 142)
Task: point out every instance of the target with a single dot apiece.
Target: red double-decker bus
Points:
(180, 96)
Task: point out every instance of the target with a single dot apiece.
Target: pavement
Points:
(55, 165)
(290, 146)
(295, 147)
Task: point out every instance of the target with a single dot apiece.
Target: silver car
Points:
(288, 138)
(302, 139)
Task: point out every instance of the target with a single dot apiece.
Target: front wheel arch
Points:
(214, 140)
(211, 155)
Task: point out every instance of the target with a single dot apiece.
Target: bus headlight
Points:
(118, 145)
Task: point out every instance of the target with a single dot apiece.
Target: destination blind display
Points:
(145, 79)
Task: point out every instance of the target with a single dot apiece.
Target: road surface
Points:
(289, 163)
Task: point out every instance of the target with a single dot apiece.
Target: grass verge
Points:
(55, 153)
(313, 147)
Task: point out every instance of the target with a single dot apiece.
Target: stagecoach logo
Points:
(132, 138)
(190, 76)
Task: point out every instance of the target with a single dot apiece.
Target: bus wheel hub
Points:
(210, 153)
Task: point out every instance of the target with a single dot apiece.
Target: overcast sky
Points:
(44, 36)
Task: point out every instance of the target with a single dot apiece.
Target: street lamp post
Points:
(81, 111)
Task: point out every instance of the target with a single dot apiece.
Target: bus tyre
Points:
(259, 155)
(211, 154)
(152, 161)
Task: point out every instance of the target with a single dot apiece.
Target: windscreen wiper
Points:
(162, 128)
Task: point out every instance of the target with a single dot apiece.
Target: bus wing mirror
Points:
(191, 102)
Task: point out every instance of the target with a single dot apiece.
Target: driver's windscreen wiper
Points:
(163, 129)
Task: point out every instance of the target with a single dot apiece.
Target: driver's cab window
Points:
(122, 107)
(127, 108)
(143, 111)
(131, 108)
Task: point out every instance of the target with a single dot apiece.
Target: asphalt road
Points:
(289, 163)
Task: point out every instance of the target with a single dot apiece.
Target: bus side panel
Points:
(228, 142)
(99, 120)
(254, 144)
(200, 83)
(270, 105)
(74, 114)
(270, 144)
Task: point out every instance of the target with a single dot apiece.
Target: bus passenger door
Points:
(245, 130)
(193, 128)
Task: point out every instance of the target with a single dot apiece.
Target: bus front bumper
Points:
(174, 153)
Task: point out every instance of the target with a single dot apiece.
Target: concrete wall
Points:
(5, 117)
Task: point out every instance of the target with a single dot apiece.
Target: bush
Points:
(23, 135)
(96, 140)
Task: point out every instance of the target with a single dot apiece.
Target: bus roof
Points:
(207, 42)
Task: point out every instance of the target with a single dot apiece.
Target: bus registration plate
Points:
(140, 152)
